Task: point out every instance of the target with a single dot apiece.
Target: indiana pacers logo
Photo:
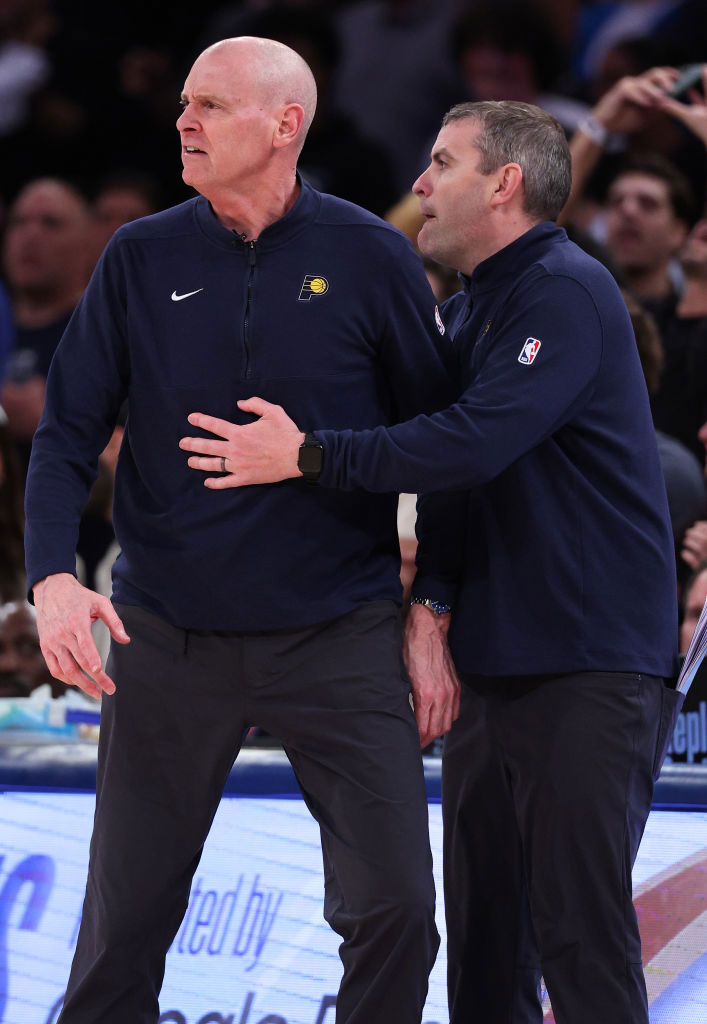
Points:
(313, 284)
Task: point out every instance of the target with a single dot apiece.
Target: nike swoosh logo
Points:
(178, 298)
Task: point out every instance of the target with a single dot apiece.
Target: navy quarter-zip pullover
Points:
(329, 314)
(557, 552)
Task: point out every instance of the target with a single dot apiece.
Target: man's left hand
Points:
(261, 452)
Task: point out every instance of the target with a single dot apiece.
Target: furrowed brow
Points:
(203, 97)
(442, 154)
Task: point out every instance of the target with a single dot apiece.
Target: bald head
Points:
(246, 106)
(276, 73)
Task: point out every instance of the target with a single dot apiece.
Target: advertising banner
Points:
(253, 947)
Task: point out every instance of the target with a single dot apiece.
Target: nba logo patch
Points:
(529, 351)
(438, 321)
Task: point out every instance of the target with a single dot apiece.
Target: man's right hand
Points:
(435, 686)
(624, 107)
(65, 613)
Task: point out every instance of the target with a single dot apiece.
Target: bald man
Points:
(270, 606)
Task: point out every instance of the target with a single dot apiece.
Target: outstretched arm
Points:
(503, 414)
(623, 109)
(412, 357)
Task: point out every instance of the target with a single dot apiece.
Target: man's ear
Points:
(509, 183)
(289, 125)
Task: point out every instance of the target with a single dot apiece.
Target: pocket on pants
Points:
(671, 701)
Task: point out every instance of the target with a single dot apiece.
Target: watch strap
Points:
(310, 458)
(436, 607)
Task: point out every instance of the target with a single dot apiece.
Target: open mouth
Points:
(628, 236)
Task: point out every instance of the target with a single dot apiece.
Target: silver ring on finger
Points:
(223, 464)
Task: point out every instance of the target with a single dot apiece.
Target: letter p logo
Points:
(313, 284)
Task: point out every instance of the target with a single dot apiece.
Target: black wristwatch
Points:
(310, 458)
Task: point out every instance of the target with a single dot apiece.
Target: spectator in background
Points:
(680, 401)
(25, 27)
(650, 209)
(47, 257)
(684, 480)
(632, 117)
(52, 240)
(508, 50)
(143, 109)
(120, 197)
(693, 601)
(685, 487)
(654, 132)
(691, 109)
(127, 69)
(396, 76)
(22, 666)
(694, 549)
(45, 132)
(646, 239)
(12, 555)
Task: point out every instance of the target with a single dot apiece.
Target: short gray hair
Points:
(526, 135)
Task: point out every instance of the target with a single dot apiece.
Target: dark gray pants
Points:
(336, 695)
(546, 787)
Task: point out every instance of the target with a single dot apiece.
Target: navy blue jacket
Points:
(556, 552)
(328, 314)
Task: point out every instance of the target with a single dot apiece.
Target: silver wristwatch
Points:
(437, 607)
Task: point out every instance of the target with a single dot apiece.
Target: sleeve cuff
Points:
(434, 589)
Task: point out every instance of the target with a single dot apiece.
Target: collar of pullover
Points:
(277, 234)
(513, 259)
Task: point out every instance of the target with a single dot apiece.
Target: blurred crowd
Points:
(89, 96)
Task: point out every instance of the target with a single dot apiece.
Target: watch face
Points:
(310, 459)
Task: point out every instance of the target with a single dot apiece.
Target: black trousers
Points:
(336, 695)
(546, 787)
